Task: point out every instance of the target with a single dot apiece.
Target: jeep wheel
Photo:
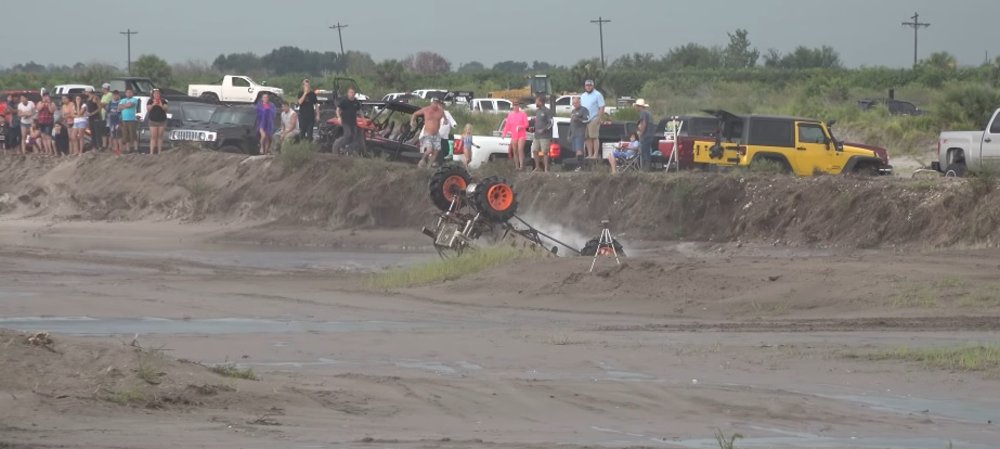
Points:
(210, 97)
(593, 246)
(495, 199)
(865, 170)
(448, 185)
(770, 165)
(956, 170)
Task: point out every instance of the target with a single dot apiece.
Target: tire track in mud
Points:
(887, 324)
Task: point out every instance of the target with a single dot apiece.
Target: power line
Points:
(128, 39)
(600, 26)
(340, 35)
(916, 25)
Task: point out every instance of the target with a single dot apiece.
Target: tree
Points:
(237, 62)
(805, 58)
(389, 74)
(587, 69)
(694, 56)
(772, 59)
(154, 68)
(941, 60)
(510, 67)
(472, 67)
(540, 67)
(428, 63)
(358, 63)
(636, 61)
(739, 54)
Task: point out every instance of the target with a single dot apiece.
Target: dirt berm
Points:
(339, 193)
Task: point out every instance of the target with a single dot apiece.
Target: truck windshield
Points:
(196, 112)
(228, 116)
(143, 87)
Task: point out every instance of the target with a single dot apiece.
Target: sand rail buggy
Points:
(472, 210)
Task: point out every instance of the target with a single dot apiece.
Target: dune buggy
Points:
(473, 210)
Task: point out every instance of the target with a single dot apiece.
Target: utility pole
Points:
(340, 35)
(916, 25)
(600, 26)
(128, 39)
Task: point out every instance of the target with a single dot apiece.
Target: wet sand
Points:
(642, 356)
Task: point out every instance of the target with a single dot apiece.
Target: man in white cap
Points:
(593, 100)
(645, 131)
(106, 98)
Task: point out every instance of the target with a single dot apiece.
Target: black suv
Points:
(231, 129)
(182, 114)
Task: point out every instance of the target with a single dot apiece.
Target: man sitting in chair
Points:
(627, 154)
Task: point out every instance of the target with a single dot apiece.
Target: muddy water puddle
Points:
(278, 258)
(782, 439)
(129, 326)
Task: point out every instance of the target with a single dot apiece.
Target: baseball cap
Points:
(588, 83)
(106, 86)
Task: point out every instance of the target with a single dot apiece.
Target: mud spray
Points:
(570, 236)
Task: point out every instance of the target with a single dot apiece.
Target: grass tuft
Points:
(449, 269)
(726, 442)
(231, 370)
(296, 155)
(128, 397)
(980, 358)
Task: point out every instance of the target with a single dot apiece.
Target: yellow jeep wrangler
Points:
(795, 145)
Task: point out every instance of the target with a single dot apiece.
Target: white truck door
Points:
(238, 89)
(991, 142)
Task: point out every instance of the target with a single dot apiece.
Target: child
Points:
(467, 144)
(61, 137)
(628, 150)
(114, 117)
(33, 142)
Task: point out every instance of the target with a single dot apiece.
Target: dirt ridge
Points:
(341, 193)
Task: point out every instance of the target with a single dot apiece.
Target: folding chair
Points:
(628, 163)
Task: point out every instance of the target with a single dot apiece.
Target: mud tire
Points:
(494, 198)
(444, 180)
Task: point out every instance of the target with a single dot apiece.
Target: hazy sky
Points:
(865, 32)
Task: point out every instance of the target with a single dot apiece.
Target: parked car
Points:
(234, 89)
(961, 151)
(397, 96)
(426, 94)
(72, 90)
(231, 129)
(33, 95)
(387, 132)
(491, 105)
(142, 88)
(895, 107)
(494, 147)
(798, 145)
(181, 114)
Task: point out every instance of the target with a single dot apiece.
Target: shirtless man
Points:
(430, 141)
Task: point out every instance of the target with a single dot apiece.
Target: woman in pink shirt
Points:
(517, 128)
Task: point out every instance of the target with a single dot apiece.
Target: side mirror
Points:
(496, 133)
(839, 146)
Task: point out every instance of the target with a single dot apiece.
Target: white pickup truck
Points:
(493, 147)
(233, 89)
(960, 151)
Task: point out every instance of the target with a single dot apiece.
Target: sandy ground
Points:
(680, 342)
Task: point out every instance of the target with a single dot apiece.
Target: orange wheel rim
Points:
(452, 185)
(500, 197)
